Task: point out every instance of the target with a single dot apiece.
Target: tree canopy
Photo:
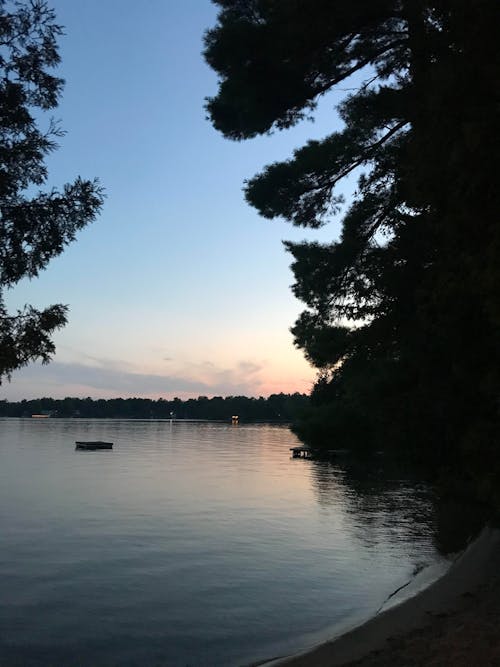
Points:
(402, 311)
(35, 225)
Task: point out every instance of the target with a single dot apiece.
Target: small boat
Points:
(93, 444)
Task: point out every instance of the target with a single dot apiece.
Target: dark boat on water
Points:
(93, 444)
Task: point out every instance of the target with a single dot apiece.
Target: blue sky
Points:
(179, 288)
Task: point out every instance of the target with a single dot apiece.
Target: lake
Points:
(190, 544)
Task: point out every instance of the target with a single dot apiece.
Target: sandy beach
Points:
(455, 621)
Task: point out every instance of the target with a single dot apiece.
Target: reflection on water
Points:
(190, 543)
(375, 492)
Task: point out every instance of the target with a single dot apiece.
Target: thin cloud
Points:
(108, 378)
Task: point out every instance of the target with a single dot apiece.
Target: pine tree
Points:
(402, 310)
(35, 226)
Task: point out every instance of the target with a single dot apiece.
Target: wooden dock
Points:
(301, 452)
(304, 452)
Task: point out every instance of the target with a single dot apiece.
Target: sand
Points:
(455, 621)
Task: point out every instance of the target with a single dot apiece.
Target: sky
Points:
(179, 288)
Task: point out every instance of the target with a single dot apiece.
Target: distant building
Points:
(44, 414)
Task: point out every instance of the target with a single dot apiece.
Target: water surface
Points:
(189, 544)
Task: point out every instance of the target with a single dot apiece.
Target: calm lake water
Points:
(189, 544)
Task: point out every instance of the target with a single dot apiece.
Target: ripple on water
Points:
(189, 543)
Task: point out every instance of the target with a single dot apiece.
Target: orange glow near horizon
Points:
(79, 375)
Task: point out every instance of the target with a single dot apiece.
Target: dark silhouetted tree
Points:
(35, 225)
(402, 315)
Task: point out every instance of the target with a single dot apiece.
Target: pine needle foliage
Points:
(35, 224)
(402, 310)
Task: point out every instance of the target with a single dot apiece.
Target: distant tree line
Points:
(277, 407)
